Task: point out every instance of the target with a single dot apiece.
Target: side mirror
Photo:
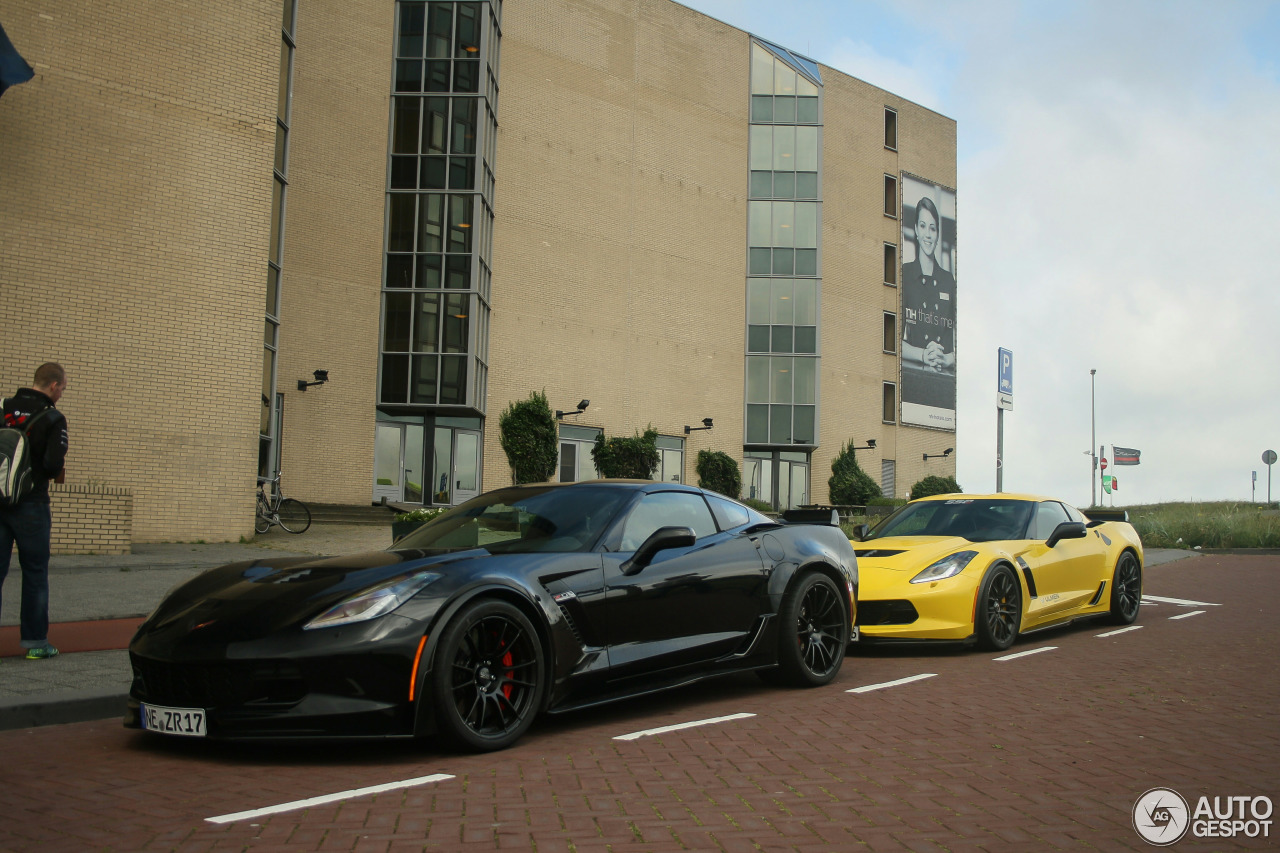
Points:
(861, 532)
(1066, 530)
(660, 540)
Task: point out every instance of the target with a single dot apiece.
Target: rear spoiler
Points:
(1100, 515)
(813, 515)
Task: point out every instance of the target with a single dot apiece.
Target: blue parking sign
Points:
(1005, 371)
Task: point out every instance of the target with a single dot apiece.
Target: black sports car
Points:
(533, 598)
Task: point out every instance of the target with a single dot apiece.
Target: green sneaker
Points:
(45, 651)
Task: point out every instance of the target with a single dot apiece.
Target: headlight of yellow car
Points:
(946, 567)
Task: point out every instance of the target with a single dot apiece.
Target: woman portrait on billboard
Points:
(928, 298)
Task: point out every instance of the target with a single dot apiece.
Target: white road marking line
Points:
(1024, 654)
(1119, 631)
(1184, 602)
(678, 726)
(1185, 615)
(327, 798)
(868, 688)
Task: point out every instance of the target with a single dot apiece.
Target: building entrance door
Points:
(397, 462)
(466, 465)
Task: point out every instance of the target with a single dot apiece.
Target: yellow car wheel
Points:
(999, 609)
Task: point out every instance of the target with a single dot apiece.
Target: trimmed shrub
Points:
(934, 485)
(849, 484)
(718, 471)
(527, 432)
(633, 458)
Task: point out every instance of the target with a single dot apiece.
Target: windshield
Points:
(523, 520)
(978, 520)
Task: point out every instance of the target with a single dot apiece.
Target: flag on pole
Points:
(13, 68)
(1125, 456)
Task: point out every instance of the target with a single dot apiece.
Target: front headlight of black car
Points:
(946, 567)
(374, 602)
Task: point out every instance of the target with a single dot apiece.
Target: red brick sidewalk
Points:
(1044, 752)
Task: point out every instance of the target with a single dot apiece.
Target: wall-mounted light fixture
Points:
(582, 407)
(871, 445)
(322, 376)
(706, 424)
(943, 455)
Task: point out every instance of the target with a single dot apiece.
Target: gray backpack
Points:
(17, 477)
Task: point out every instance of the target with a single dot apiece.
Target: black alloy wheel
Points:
(1126, 590)
(813, 630)
(489, 676)
(999, 614)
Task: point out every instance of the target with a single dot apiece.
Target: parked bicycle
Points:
(274, 508)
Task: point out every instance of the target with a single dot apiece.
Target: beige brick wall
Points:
(620, 243)
(332, 269)
(91, 519)
(854, 296)
(137, 193)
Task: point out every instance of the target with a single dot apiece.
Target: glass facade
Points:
(784, 216)
(439, 218)
(434, 346)
(270, 421)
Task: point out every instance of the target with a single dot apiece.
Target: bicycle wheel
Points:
(262, 521)
(294, 516)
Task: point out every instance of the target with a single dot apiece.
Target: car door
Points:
(690, 604)
(1065, 576)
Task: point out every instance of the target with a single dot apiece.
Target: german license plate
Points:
(188, 722)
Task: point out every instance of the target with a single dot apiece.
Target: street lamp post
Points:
(1093, 440)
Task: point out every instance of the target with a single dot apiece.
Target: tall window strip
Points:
(269, 420)
(783, 270)
(439, 217)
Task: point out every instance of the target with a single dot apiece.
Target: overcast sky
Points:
(1118, 209)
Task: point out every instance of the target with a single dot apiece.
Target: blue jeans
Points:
(29, 525)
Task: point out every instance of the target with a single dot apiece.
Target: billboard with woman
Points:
(928, 304)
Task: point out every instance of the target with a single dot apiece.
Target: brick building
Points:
(448, 206)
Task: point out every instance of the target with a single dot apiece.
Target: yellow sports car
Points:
(986, 568)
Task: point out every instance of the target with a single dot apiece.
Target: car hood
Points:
(908, 553)
(250, 600)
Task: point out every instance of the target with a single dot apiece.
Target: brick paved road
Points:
(1042, 752)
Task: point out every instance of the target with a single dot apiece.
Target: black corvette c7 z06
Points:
(524, 600)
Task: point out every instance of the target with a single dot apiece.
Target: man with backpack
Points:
(32, 452)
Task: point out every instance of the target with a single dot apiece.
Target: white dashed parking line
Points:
(1017, 655)
(328, 798)
(868, 688)
(678, 726)
(1160, 599)
(1119, 631)
(1185, 615)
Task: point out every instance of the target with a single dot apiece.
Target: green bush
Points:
(886, 502)
(718, 471)
(527, 432)
(758, 505)
(633, 458)
(934, 485)
(849, 484)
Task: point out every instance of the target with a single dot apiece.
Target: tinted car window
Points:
(523, 520)
(666, 509)
(1049, 515)
(728, 514)
(984, 520)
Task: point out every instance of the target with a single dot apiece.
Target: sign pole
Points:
(1004, 400)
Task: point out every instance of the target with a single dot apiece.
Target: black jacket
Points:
(48, 438)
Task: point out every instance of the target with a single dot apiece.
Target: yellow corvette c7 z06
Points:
(985, 568)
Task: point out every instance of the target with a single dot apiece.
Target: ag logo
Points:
(1161, 816)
